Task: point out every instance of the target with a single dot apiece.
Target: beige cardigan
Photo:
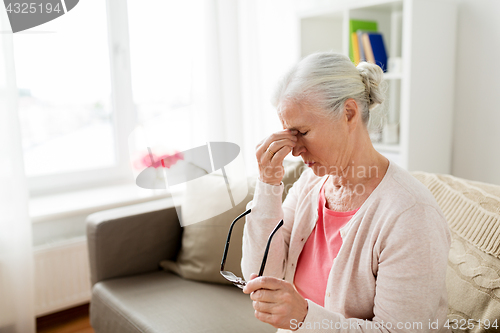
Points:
(389, 275)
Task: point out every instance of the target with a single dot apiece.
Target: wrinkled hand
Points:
(276, 301)
(280, 144)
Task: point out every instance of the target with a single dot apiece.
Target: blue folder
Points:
(379, 51)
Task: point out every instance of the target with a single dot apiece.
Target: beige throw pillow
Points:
(203, 243)
(472, 210)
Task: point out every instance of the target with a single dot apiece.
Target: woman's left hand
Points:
(276, 301)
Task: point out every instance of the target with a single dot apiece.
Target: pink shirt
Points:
(322, 246)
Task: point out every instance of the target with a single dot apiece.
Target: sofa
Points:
(149, 274)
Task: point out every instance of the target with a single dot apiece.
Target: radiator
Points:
(62, 276)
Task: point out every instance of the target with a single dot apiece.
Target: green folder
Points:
(355, 25)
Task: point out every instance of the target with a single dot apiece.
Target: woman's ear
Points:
(351, 111)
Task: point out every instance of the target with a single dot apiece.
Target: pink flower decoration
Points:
(165, 161)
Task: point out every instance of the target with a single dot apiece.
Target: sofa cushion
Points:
(203, 242)
(163, 302)
(472, 210)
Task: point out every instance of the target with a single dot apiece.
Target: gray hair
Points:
(325, 80)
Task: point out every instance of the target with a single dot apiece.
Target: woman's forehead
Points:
(295, 116)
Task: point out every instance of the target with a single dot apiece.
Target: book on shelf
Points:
(376, 41)
(371, 48)
(362, 55)
(355, 48)
(354, 26)
(367, 48)
(367, 44)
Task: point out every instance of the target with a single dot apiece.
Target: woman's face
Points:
(322, 143)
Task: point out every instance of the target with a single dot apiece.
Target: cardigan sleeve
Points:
(410, 289)
(267, 211)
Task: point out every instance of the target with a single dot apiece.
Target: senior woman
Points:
(364, 245)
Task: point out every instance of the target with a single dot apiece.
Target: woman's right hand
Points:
(270, 154)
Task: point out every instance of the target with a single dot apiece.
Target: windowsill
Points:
(88, 201)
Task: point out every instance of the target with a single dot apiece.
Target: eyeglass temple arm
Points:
(267, 247)
(226, 247)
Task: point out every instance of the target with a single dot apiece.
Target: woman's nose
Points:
(298, 149)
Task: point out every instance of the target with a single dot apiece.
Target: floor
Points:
(74, 320)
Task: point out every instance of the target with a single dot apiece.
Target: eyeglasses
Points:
(237, 281)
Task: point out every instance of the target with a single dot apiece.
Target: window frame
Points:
(123, 115)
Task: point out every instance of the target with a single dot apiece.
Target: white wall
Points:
(476, 144)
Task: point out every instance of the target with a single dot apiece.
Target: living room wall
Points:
(476, 144)
(476, 128)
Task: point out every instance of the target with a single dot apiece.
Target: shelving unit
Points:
(422, 34)
(393, 76)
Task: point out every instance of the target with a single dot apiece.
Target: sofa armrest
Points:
(133, 239)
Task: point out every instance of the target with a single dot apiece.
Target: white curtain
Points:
(17, 314)
(248, 45)
(217, 92)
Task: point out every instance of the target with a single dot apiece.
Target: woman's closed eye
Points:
(303, 134)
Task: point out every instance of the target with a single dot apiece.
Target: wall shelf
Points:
(393, 76)
(419, 103)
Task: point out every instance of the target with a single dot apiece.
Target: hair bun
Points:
(372, 76)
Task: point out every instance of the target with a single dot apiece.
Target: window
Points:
(65, 107)
(91, 78)
(65, 94)
(166, 47)
(82, 91)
